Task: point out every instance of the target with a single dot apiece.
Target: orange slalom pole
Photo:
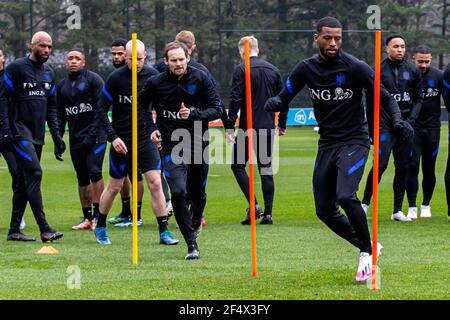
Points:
(134, 257)
(251, 169)
(376, 145)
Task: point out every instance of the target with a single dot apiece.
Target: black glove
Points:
(6, 140)
(404, 130)
(273, 104)
(60, 147)
(89, 141)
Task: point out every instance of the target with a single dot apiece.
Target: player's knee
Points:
(36, 175)
(345, 200)
(178, 192)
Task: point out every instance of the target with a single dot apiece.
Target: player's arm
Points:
(105, 103)
(294, 83)
(60, 110)
(7, 88)
(417, 96)
(214, 106)
(146, 100)
(96, 87)
(282, 115)
(446, 88)
(53, 124)
(237, 96)
(365, 74)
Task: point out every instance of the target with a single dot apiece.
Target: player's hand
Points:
(273, 104)
(120, 146)
(60, 148)
(184, 112)
(404, 129)
(231, 138)
(156, 138)
(281, 131)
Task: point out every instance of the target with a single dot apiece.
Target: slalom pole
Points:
(376, 144)
(251, 169)
(134, 150)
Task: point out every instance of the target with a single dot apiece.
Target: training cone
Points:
(47, 250)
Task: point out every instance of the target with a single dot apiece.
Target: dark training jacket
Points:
(403, 81)
(167, 92)
(430, 113)
(78, 97)
(266, 82)
(28, 100)
(117, 93)
(336, 89)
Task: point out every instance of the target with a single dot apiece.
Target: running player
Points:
(336, 81)
(184, 99)
(117, 92)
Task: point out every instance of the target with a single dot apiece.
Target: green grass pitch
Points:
(298, 256)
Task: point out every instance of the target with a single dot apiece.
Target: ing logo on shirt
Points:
(327, 95)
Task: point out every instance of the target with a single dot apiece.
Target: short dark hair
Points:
(422, 48)
(329, 22)
(393, 36)
(77, 49)
(175, 45)
(119, 43)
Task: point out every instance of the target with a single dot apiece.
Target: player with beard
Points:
(427, 134)
(27, 101)
(336, 81)
(184, 99)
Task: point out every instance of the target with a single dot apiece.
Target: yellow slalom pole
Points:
(134, 149)
(251, 170)
(376, 143)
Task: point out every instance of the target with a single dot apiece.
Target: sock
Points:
(126, 209)
(162, 224)
(87, 213)
(96, 209)
(139, 210)
(101, 223)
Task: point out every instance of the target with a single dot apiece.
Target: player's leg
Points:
(28, 157)
(19, 199)
(176, 175)
(324, 189)
(79, 160)
(387, 141)
(447, 179)
(402, 153)
(150, 163)
(264, 158)
(240, 155)
(412, 186)
(428, 169)
(351, 161)
(197, 177)
(95, 164)
(118, 170)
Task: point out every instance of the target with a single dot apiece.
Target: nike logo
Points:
(351, 153)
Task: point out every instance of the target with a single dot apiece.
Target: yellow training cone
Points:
(47, 250)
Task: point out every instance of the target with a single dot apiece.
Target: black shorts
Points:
(88, 163)
(120, 164)
(337, 173)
